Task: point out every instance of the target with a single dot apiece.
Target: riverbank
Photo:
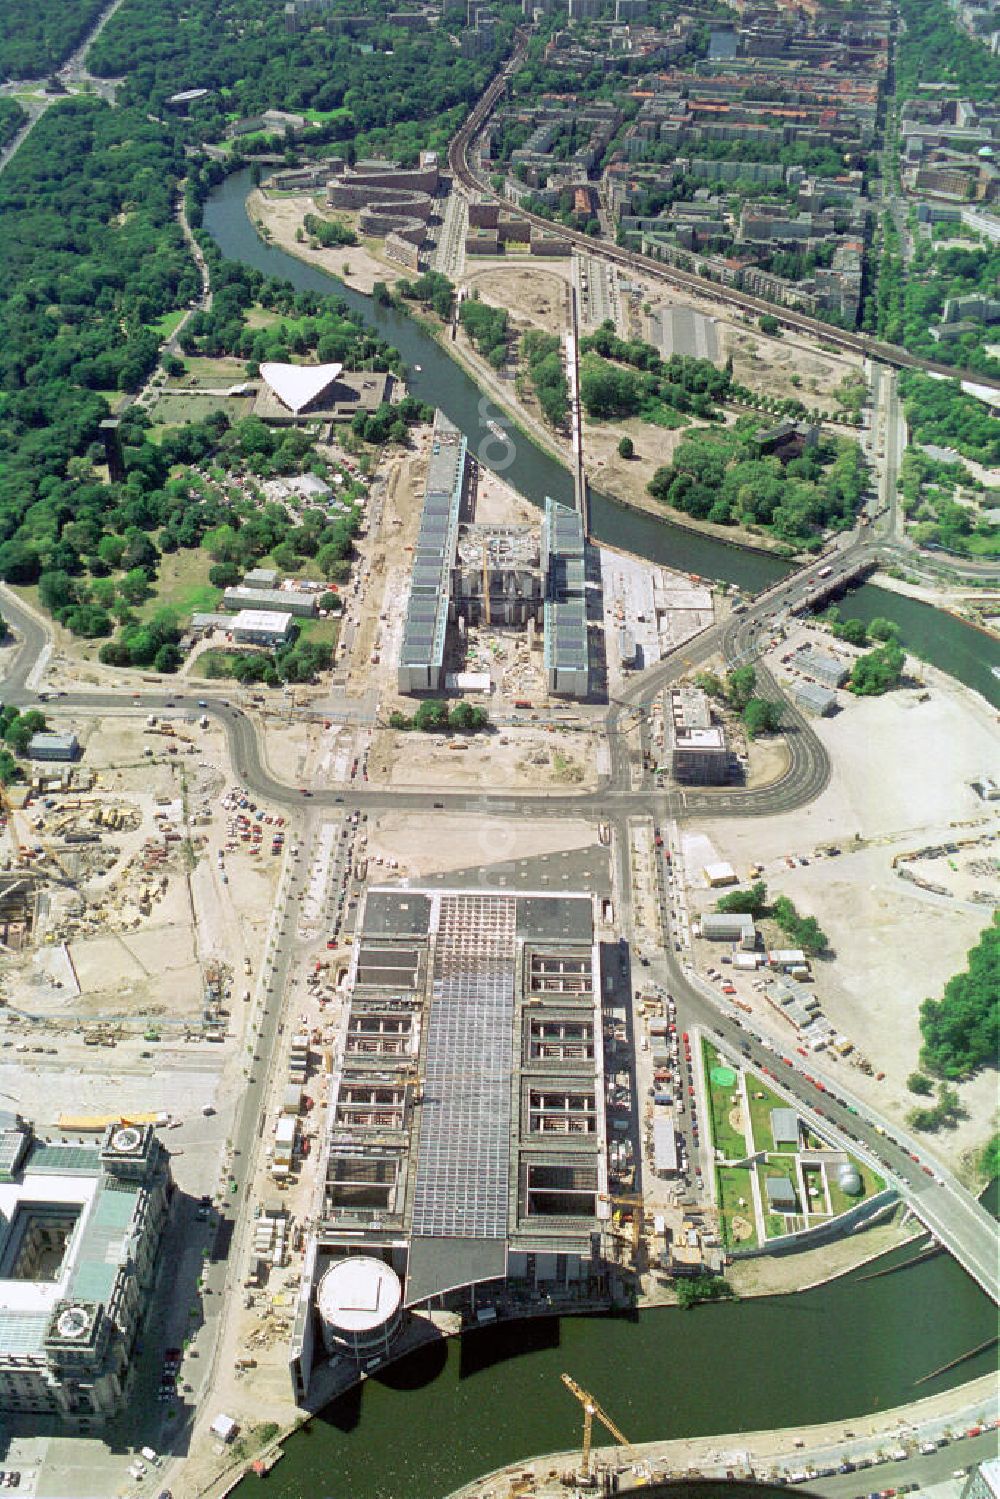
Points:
(624, 480)
(282, 218)
(759, 1454)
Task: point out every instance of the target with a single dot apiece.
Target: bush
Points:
(626, 448)
(803, 931)
(918, 1083)
(961, 1031)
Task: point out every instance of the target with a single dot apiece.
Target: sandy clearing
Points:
(900, 780)
(514, 758)
(284, 215)
(539, 297)
(425, 844)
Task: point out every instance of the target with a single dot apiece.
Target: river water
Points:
(957, 648)
(448, 1413)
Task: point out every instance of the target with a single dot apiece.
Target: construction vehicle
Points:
(632, 1201)
(590, 1410)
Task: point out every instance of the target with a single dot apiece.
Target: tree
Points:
(883, 629)
(740, 684)
(760, 716)
(804, 931)
(961, 1030)
(626, 448)
(752, 902)
(331, 602)
(168, 658)
(710, 682)
(703, 1288)
(20, 731)
(769, 324)
(431, 716)
(918, 1083)
(877, 671)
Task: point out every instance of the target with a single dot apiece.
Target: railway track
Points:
(632, 260)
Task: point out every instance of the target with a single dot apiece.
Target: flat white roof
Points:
(273, 620)
(298, 384)
(359, 1294)
(700, 738)
(60, 1191)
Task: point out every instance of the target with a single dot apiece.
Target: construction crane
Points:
(590, 1410)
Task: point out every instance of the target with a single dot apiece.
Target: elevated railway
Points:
(632, 260)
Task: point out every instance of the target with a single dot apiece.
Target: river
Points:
(943, 640)
(445, 1415)
(442, 1416)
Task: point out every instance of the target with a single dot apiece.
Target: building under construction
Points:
(470, 574)
(466, 1146)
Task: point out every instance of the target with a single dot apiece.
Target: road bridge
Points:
(935, 1196)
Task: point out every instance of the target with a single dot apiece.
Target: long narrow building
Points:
(465, 1155)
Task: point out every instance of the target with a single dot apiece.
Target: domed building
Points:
(849, 1180)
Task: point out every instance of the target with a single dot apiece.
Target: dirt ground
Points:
(514, 757)
(901, 773)
(538, 297)
(768, 365)
(282, 216)
(428, 844)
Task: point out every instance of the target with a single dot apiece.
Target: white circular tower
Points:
(360, 1303)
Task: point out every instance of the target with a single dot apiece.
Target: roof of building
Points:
(299, 385)
(267, 621)
(727, 921)
(780, 1192)
(784, 1125)
(814, 695)
(359, 1294)
(664, 1143)
(62, 743)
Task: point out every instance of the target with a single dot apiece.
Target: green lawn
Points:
(214, 372)
(165, 325)
(730, 1141)
(320, 631)
(176, 408)
(873, 1183)
(182, 584)
(733, 1183)
(760, 1111)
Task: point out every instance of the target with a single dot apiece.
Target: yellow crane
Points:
(590, 1410)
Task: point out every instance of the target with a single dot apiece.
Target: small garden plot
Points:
(736, 1211)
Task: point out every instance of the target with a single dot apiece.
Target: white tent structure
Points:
(297, 386)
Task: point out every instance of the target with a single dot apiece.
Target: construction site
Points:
(134, 887)
(463, 1163)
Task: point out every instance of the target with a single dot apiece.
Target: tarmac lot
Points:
(901, 777)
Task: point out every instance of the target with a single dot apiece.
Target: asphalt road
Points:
(934, 1194)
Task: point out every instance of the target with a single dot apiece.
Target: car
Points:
(202, 703)
(439, 806)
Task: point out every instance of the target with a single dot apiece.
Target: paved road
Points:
(925, 1470)
(933, 1193)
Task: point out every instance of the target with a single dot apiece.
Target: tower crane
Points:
(590, 1410)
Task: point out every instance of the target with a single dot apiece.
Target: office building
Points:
(80, 1227)
(699, 754)
(465, 1149)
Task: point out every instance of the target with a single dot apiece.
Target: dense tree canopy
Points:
(720, 476)
(36, 39)
(961, 1031)
(389, 89)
